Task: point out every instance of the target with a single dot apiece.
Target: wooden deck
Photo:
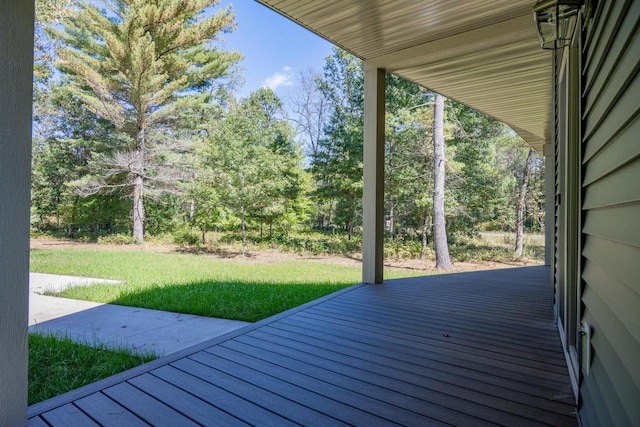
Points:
(468, 349)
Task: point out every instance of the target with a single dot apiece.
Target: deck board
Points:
(401, 390)
(431, 379)
(325, 405)
(68, 416)
(430, 364)
(469, 338)
(251, 392)
(200, 411)
(466, 349)
(487, 366)
(150, 409)
(104, 410)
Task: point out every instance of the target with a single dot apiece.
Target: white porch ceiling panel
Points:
(482, 53)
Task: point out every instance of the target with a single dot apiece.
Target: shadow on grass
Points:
(237, 300)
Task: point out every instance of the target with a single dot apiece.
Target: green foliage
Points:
(337, 163)
(116, 239)
(58, 365)
(316, 243)
(408, 157)
(496, 247)
(48, 12)
(404, 249)
(473, 182)
(251, 167)
(140, 66)
(209, 162)
(185, 236)
(164, 214)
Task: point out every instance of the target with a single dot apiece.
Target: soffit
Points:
(482, 53)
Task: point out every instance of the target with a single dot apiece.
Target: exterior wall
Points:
(567, 202)
(16, 47)
(610, 390)
(549, 204)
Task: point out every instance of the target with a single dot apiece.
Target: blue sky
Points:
(275, 49)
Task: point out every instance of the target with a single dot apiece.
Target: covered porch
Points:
(479, 348)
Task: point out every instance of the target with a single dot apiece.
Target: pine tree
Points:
(337, 163)
(136, 64)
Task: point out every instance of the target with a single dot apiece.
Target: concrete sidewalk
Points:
(116, 326)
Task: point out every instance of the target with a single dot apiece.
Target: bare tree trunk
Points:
(244, 232)
(309, 109)
(439, 223)
(138, 184)
(138, 209)
(522, 199)
(425, 236)
(242, 212)
(391, 220)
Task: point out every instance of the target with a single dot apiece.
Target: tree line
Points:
(137, 129)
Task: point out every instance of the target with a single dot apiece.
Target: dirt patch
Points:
(265, 256)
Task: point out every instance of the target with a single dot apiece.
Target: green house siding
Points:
(610, 393)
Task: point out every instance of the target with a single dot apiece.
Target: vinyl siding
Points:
(558, 261)
(610, 394)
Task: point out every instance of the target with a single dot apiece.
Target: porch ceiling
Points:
(482, 53)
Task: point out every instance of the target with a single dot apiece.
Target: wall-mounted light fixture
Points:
(556, 21)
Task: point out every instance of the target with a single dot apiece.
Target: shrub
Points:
(402, 249)
(116, 239)
(186, 237)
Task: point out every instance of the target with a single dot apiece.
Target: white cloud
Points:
(283, 77)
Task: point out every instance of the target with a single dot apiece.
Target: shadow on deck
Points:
(470, 349)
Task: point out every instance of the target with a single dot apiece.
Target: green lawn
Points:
(58, 365)
(197, 284)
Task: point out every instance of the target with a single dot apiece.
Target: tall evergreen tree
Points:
(337, 163)
(474, 184)
(136, 63)
(404, 162)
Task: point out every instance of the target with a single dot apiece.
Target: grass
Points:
(58, 365)
(197, 284)
(237, 289)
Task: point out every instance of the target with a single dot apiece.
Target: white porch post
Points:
(549, 203)
(16, 71)
(373, 193)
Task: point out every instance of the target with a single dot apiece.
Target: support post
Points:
(549, 203)
(373, 192)
(16, 69)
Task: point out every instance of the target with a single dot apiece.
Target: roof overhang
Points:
(482, 53)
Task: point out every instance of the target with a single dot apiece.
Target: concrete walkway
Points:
(116, 326)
